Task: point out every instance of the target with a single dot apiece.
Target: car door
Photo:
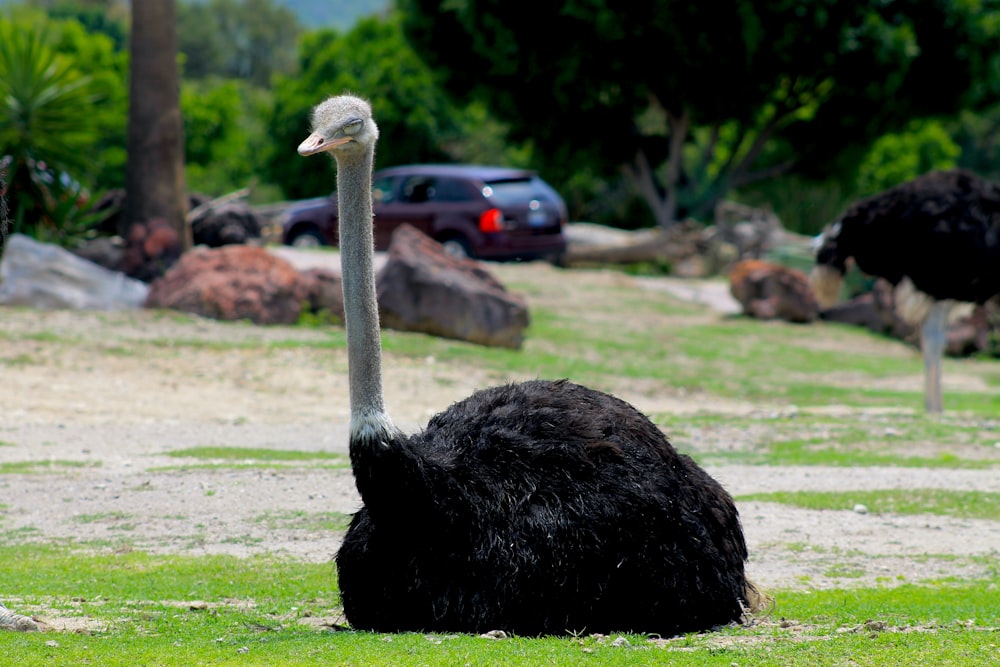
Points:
(402, 200)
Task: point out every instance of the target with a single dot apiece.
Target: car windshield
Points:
(506, 193)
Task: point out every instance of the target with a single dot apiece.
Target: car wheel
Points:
(457, 247)
(307, 238)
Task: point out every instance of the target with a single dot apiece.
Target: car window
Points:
(382, 190)
(449, 189)
(416, 189)
(506, 193)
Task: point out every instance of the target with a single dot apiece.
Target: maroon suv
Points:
(474, 211)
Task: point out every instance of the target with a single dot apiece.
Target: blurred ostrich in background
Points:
(935, 238)
(535, 508)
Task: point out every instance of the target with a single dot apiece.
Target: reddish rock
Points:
(233, 282)
(769, 291)
(151, 248)
(421, 288)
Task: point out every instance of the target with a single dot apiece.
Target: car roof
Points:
(474, 171)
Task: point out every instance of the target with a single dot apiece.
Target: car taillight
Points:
(491, 221)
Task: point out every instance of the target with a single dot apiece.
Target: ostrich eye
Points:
(353, 126)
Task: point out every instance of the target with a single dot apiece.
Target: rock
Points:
(769, 291)
(42, 275)
(875, 310)
(421, 288)
(324, 292)
(753, 232)
(974, 333)
(106, 251)
(230, 223)
(151, 248)
(234, 282)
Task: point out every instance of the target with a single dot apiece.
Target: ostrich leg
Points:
(932, 340)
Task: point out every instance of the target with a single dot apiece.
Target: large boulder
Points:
(233, 282)
(769, 291)
(421, 288)
(47, 276)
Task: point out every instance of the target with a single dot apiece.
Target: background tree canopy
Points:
(637, 117)
(690, 100)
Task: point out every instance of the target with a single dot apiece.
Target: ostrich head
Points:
(342, 126)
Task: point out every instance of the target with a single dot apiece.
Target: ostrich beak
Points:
(317, 143)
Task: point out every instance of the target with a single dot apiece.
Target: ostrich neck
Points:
(369, 420)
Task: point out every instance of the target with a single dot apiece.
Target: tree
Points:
(373, 59)
(154, 182)
(241, 39)
(46, 134)
(689, 100)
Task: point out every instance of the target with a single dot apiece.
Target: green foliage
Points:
(60, 99)
(897, 157)
(241, 39)
(803, 205)
(224, 133)
(374, 60)
(628, 89)
(43, 94)
(42, 134)
(94, 17)
(978, 135)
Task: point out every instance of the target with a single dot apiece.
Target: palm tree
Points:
(44, 137)
(154, 182)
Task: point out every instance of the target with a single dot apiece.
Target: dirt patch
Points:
(95, 421)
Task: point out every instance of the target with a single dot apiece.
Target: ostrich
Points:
(935, 238)
(535, 508)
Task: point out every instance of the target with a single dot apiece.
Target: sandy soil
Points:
(96, 422)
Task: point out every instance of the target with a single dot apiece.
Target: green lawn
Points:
(135, 608)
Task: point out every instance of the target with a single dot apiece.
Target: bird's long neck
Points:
(369, 420)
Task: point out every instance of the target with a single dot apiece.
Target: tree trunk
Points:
(154, 181)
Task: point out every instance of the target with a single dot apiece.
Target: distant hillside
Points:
(340, 14)
(314, 14)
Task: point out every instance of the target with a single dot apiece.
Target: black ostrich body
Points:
(537, 508)
(942, 231)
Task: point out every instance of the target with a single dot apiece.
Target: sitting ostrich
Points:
(534, 508)
(935, 238)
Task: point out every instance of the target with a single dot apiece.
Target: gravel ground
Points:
(97, 420)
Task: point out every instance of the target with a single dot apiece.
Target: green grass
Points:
(48, 465)
(302, 520)
(799, 438)
(646, 337)
(961, 504)
(255, 454)
(142, 609)
(100, 517)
